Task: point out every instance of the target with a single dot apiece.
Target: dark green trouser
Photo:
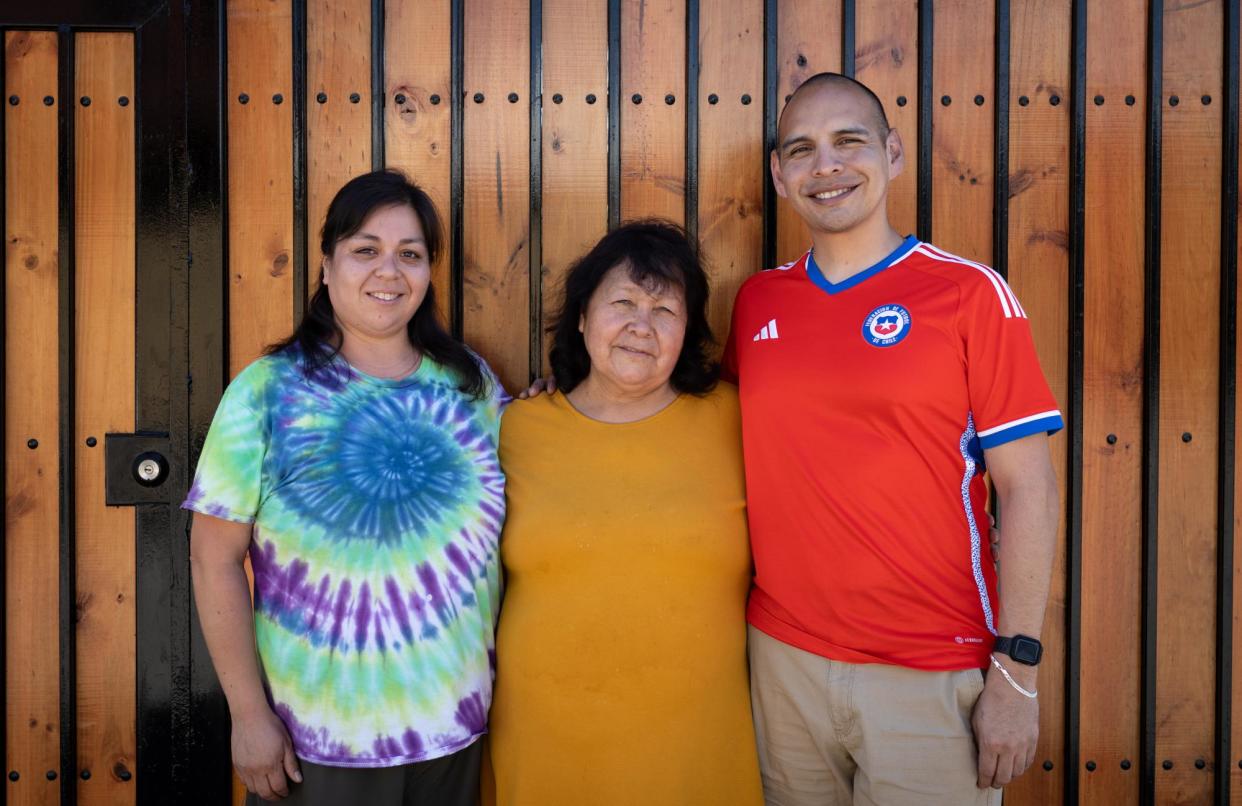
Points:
(451, 780)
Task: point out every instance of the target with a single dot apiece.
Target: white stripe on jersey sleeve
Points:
(1021, 421)
(1009, 302)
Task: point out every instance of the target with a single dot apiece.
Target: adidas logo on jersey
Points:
(768, 331)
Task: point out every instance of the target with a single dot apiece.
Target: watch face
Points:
(1026, 650)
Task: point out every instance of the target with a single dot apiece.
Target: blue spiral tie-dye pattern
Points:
(377, 507)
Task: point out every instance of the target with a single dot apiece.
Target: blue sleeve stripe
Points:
(1048, 425)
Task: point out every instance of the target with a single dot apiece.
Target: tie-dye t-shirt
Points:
(377, 507)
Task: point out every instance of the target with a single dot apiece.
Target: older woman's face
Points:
(633, 333)
(378, 276)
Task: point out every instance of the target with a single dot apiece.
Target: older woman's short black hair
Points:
(657, 254)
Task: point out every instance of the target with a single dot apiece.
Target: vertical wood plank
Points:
(653, 132)
(575, 139)
(1039, 273)
(32, 409)
(260, 182)
(260, 177)
(732, 171)
(1112, 548)
(808, 41)
(1189, 345)
(104, 402)
(418, 66)
(338, 136)
(887, 61)
(962, 158)
(496, 208)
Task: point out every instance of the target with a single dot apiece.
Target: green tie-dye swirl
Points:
(377, 507)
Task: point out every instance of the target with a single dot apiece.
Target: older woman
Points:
(621, 654)
(356, 463)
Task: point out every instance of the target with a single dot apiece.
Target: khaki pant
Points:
(844, 733)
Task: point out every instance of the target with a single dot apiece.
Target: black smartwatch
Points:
(1022, 648)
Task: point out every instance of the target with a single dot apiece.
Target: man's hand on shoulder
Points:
(1006, 726)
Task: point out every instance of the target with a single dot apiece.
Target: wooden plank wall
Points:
(104, 249)
(516, 221)
(1189, 373)
(1038, 267)
(1046, 157)
(1110, 615)
(417, 112)
(338, 109)
(260, 176)
(32, 417)
(730, 203)
(574, 141)
(1099, 643)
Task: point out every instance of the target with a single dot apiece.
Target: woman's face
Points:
(633, 332)
(378, 276)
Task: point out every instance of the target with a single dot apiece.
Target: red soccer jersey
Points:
(865, 408)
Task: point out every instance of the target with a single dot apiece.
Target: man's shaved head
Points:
(820, 80)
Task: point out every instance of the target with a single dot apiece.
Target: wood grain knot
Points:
(19, 504)
(1055, 238)
(31, 262)
(280, 264)
(81, 606)
(1021, 181)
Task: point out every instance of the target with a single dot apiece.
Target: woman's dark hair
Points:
(656, 254)
(319, 336)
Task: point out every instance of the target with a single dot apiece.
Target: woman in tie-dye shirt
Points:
(356, 464)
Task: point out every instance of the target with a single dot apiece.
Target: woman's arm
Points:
(262, 750)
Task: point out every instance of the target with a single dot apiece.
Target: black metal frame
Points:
(614, 113)
(379, 89)
(1228, 402)
(1000, 142)
(1074, 421)
(771, 115)
(927, 32)
(204, 765)
(693, 70)
(535, 222)
(66, 179)
(848, 32)
(457, 17)
(1151, 397)
(298, 37)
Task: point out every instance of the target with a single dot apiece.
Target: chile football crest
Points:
(886, 325)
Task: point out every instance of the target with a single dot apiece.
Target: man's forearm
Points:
(1029, 517)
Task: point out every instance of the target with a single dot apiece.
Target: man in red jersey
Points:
(879, 377)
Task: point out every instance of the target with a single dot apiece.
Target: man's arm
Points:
(1006, 723)
(262, 751)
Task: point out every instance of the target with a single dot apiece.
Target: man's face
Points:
(832, 162)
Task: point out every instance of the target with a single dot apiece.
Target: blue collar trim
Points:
(817, 276)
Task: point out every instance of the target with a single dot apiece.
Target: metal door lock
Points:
(150, 469)
(136, 469)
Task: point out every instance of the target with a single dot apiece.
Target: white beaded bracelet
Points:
(1005, 672)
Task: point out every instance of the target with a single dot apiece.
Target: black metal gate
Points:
(180, 360)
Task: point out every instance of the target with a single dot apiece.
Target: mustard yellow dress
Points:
(621, 652)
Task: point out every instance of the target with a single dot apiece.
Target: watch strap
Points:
(1005, 645)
